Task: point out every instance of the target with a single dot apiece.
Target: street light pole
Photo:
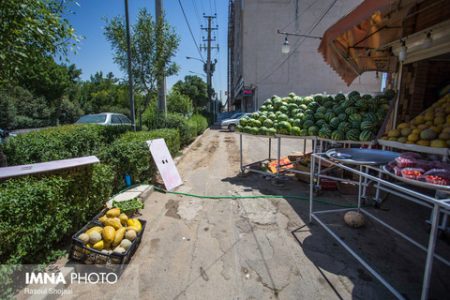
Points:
(130, 73)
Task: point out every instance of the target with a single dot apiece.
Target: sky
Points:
(94, 52)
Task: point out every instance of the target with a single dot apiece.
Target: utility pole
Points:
(209, 66)
(162, 105)
(130, 73)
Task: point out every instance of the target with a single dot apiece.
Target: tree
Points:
(8, 111)
(179, 103)
(195, 88)
(153, 45)
(31, 30)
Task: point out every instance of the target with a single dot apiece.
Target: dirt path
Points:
(234, 249)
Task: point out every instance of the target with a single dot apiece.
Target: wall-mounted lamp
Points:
(402, 52)
(286, 47)
(428, 41)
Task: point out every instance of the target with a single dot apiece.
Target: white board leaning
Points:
(165, 163)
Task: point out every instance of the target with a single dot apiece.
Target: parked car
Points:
(233, 121)
(104, 119)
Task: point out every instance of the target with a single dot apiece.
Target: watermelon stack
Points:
(353, 117)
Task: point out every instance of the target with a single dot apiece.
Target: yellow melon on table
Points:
(438, 144)
(423, 143)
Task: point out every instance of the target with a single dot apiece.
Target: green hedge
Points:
(176, 121)
(38, 212)
(201, 121)
(130, 154)
(59, 143)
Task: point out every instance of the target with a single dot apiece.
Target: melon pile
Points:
(430, 128)
(340, 117)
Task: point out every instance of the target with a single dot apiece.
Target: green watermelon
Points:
(307, 100)
(254, 130)
(370, 116)
(263, 130)
(300, 116)
(308, 123)
(295, 111)
(313, 130)
(353, 94)
(351, 110)
(355, 125)
(342, 117)
(295, 131)
(263, 108)
(355, 118)
(368, 125)
(334, 123)
(298, 100)
(304, 132)
(337, 135)
(313, 105)
(292, 95)
(244, 121)
(339, 97)
(303, 107)
(321, 110)
(344, 126)
(257, 123)
(239, 128)
(352, 135)
(340, 109)
(325, 133)
(277, 103)
(284, 127)
(284, 109)
(269, 107)
(271, 131)
(366, 97)
(248, 129)
(329, 104)
(282, 117)
(268, 102)
(319, 99)
(292, 106)
(366, 136)
(271, 115)
(298, 123)
(262, 118)
(320, 123)
(328, 116)
(319, 115)
(268, 123)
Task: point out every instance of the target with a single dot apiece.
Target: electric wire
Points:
(190, 29)
(298, 44)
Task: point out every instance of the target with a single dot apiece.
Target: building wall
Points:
(303, 70)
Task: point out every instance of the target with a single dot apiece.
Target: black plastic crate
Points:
(114, 261)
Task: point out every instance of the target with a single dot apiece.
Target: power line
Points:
(190, 30)
(210, 7)
(299, 43)
(196, 12)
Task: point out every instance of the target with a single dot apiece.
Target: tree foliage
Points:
(179, 103)
(195, 88)
(31, 30)
(153, 46)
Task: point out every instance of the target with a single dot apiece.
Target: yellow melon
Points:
(413, 137)
(403, 125)
(418, 120)
(438, 144)
(423, 143)
(439, 120)
(393, 133)
(429, 116)
(405, 131)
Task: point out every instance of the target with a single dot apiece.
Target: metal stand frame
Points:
(438, 207)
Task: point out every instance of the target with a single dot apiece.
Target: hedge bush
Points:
(176, 121)
(201, 121)
(59, 143)
(130, 154)
(38, 212)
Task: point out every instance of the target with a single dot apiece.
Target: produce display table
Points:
(444, 152)
(437, 206)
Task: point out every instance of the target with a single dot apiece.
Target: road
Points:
(253, 248)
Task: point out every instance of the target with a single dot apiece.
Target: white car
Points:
(233, 121)
(105, 119)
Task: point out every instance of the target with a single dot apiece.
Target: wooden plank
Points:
(51, 166)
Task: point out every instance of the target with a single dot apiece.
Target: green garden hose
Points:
(252, 197)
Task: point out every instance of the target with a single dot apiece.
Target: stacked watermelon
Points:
(340, 117)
